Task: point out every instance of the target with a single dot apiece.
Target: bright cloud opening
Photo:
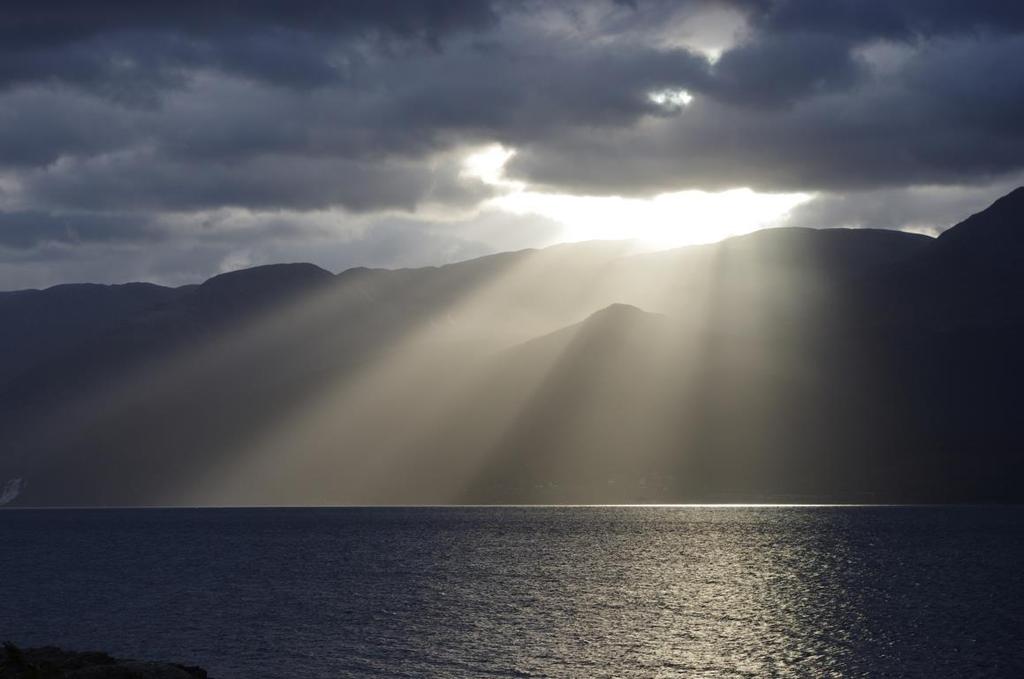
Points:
(663, 221)
(671, 99)
(488, 164)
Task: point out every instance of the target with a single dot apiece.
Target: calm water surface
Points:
(526, 592)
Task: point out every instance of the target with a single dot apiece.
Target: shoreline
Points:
(51, 662)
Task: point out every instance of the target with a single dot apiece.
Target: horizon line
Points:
(658, 505)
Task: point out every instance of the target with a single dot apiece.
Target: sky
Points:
(170, 141)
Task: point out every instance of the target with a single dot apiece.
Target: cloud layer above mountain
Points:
(169, 140)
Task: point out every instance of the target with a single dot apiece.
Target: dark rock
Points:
(50, 662)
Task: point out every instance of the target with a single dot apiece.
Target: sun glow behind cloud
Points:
(671, 99)
(662, 221)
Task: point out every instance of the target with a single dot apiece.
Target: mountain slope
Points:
(974, 273)
(40, 324)
(788, 364)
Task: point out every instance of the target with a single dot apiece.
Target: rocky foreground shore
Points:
(49, 662)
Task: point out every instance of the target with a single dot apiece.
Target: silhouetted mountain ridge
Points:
(995, 233)
(261, 285)
(796, 364)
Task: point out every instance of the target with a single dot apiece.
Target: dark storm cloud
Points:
(782, 69)
(25, 230)
(112, 110)
(947, 111)
(928, 209)
(39, 126)
(194, 249)
(146, 181)
(112, 42)
(795, 103)
(30, 24)
(859, 20)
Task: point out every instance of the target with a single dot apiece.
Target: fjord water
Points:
(524, 592)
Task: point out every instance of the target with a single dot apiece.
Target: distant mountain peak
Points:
(620, 314)
(1015, 196)
(996, 231)
(619, 317)
(249, 287)
(275, 273)
(621, 309)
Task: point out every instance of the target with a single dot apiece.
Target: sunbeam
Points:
(521, 339)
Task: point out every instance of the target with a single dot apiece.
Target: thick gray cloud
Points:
(145, 180)
(860, 20)
(126, 122)
(924, 209)
(779, 69)
(29, 229)
(121, 47)
(26, 24)
(181, 250)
